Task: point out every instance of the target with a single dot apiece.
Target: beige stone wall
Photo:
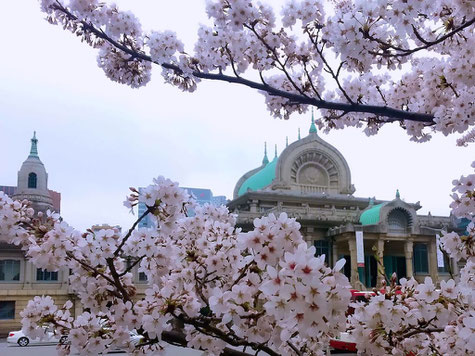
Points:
(21, 298)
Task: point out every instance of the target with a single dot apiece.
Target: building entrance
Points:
(395, 264)
(368, 275)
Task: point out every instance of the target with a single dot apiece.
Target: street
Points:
(50, 350)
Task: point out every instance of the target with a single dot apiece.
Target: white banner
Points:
(440, 254)
(359, 249)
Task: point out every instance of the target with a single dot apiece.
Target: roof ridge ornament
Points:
(34, 146)
(275, 151)
(286, 141)
(398, 196)
(265, 160)
(313, 128)
(299, 134)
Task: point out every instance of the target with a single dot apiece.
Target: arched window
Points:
(398, 220)
(32, 180)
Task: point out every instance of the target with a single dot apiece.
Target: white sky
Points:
(97, 138)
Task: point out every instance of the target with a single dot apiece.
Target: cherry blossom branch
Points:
(392, 114)
(310, 81)
(243, 273)
(329, 69)
(419, 331)
(177, 338)
(129, 233)
(128, 269)
(117, 282)
(293, 347)
(236, 341)
(427, 44)
(89, 268)
(233, 66)
(277, 59)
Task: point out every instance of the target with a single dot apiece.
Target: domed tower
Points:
(246, 181)
(309, 165)
(312, 165)
(33, 181)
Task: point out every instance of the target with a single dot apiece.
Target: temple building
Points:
(311, 181)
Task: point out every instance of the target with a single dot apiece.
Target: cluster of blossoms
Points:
(264, 289)
(427, 46)
(413, 318)
(463, 206)
(11, 213)
(417, 319)
(219, 287)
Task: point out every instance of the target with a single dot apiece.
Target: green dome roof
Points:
(260, 179)
(371, 216)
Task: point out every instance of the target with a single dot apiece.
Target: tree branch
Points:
(277, 59)
(117, 283)
(391, 114)
(236, 341)
(178, 338)
(427, 44)
(129, 233)
(419, 331)
(330, 69)
(128, 269)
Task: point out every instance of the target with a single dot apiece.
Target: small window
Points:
(421, 262)
(142, 277)
(7, 310)
(32, 180)
(322, 248)
(9, 270)
(45, 275)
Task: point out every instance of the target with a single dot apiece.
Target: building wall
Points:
(27, 287)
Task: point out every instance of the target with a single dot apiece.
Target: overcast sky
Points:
(97, 138)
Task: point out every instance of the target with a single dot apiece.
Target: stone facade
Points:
(312, 183)
(20, 281)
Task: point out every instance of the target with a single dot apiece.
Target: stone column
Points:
(78, 309)
(64, 278)
(28, 275)
(334, 253)
(354, 279)
(253, 206)
(380, 261)
(455, 269)
(434, 273)
(408, 253)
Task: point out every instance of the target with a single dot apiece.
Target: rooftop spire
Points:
(34, 146)
(299, 133)
(265, 160)
(286, 141)
(313, 128)
(398, 196)
(276, 151)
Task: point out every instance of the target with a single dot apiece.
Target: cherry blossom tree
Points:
(362, 63)
(214, 288)
(264, 289)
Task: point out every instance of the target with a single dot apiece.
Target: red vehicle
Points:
(345, 341)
